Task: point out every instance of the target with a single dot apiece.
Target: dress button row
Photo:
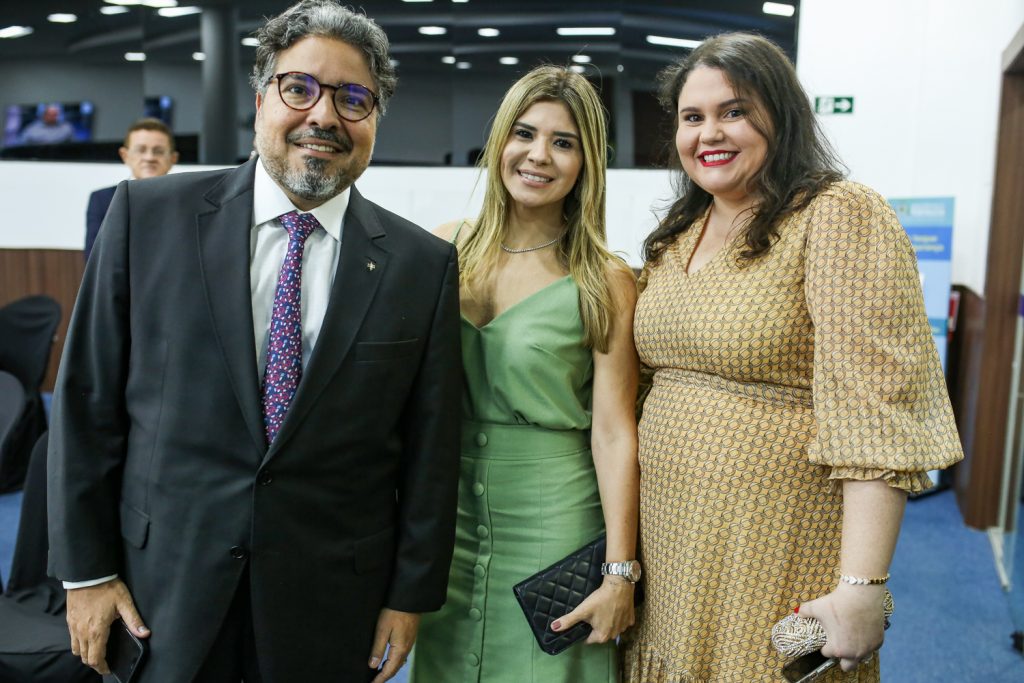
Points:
(481, 439)
(482, 531)
(479, 571)
(478, 489)
(475, 614)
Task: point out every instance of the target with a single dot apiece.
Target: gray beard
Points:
(311, 183)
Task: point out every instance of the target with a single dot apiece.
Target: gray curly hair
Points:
(327, 19)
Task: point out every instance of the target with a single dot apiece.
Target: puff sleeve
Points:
(880, 400)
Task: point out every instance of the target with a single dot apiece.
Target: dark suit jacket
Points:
(159, 470)
(99, 202)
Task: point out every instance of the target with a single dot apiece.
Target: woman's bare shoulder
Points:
(461, 227)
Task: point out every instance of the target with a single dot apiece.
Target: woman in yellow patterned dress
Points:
(797, 393)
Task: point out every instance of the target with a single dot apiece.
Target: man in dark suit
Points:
(280, 530)
(148, 152)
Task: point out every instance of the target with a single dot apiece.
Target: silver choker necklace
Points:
(510, 250)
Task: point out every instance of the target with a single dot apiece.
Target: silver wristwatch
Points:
(629, 570)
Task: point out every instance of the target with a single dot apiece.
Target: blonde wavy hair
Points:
(582, 250)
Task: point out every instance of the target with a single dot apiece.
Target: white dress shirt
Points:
(268, 243)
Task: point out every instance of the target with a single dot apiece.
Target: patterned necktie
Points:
(284, 348)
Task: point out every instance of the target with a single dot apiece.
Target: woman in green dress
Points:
(549, 436)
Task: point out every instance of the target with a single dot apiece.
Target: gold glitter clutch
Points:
(795, 636)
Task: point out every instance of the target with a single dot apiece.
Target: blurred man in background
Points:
(148, 152)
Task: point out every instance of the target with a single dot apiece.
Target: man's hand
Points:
(91, 611)
(397, 630)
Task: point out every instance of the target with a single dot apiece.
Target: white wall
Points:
(925, 75)
(427, 196)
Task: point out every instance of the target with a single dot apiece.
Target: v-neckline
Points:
(726, 246)
(480, 328)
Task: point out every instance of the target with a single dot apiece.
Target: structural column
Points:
(218, 140)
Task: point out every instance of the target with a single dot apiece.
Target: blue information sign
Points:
(929, 223)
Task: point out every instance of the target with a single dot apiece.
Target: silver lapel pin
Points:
(370, 265)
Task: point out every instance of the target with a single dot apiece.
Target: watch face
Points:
(634, 571)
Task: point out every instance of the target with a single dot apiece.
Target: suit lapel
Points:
(223, 238)
(361, 265)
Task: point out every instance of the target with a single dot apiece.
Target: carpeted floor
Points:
(952, 622)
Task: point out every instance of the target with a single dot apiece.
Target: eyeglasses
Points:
(300, 91)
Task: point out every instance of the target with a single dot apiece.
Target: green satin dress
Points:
(527, 496)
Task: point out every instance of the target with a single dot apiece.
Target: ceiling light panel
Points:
(113, 9)
(673, 42)
(62, 18)
(488, 32)
(585, 31)
(15, 31)
(433, 30)
(135, 56)
(172, 12)
(778, 8)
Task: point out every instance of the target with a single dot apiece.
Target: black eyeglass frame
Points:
(320, 93)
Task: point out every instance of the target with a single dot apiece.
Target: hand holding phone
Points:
(125, 652)
(808, 668)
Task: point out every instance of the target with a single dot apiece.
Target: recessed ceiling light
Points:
(459, 1)
(15, 31)
(62, 18)
(156, 4)
(124, 2)
(673, 42)
(135, 56)
(433, 30)
(620, 68)
(488, 32)
(462, 65)
(581, 59)
(250, 42)
(198, 56)
(779, 8)
(394, 63)
(178, 11)
(510, 61)
(586, 31)
(577, 68)
(448, 59)
(113, 9)
(417, 0)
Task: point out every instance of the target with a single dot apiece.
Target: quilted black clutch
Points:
(558, 590)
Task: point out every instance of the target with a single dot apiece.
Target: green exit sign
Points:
(833, 105)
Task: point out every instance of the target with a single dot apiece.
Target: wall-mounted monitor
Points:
(160, 107)
(48, 123)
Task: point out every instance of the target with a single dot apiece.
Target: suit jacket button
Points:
(481, 439)
(265, 478)
(238, 552)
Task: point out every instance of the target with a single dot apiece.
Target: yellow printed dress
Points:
(527, 496)
(813, 363)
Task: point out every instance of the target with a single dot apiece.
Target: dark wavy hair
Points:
(799, 164)
(327, 19)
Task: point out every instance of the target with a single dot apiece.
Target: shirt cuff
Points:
(68, 585)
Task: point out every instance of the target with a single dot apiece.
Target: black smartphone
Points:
(808, 667)
(125, 652)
